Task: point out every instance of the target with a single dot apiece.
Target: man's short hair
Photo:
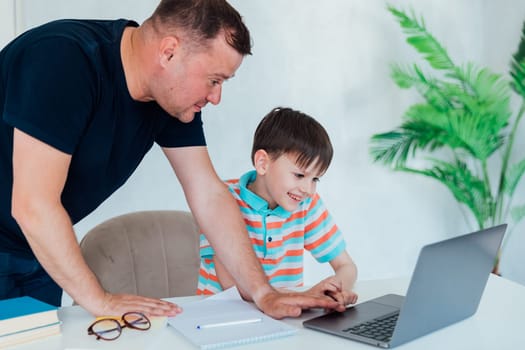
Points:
(287, 131)
(203, 20)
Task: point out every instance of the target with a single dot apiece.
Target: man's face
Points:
(192, 78)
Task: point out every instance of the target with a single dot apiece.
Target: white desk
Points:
(498, 324)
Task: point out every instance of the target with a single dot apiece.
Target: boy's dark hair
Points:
(203, 20)
(285, 130)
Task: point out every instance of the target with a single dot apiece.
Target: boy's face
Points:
(286, 184)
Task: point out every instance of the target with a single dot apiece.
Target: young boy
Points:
(283, 213)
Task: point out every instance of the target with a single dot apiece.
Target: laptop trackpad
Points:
(354, 315)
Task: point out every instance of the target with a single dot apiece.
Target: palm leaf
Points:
(517, 70)
(490, 94)
(513, 177)
(455, 129)
(466, 187)
(476, 134)
(518, 77)
(427, 86)
(518, 213)
(423, 42)
(393, 148)
(487, 85)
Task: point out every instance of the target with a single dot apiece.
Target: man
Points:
(82, 102)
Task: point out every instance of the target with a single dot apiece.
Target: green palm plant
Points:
(463, 124)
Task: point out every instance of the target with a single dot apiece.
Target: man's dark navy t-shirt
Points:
(63, 83)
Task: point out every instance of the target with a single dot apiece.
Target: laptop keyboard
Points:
(379, 329)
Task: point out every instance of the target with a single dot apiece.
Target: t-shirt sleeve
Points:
(50, 92)
(206, 250)
(322, 236)
(179, 134)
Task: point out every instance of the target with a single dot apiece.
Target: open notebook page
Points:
(224, 319)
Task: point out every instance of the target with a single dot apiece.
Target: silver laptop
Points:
(446, 287)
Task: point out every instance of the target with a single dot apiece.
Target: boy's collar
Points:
(256, 202)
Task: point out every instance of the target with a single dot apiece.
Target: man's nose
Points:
(215, 95)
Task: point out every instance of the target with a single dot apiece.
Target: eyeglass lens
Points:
(110, 328)
(136, 320)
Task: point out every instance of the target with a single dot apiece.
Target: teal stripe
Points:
(335, 238)
(295, 279)
(295, 240)
(209, 284)
(292, 259)
(332, 254)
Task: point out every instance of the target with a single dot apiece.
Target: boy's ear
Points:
(261, 160)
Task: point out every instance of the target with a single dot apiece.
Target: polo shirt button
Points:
(269, 239)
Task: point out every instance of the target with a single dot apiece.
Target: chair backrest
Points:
(149, 253)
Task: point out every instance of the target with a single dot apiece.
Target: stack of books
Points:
(26, 319)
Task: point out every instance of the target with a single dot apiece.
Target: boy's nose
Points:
(308, 189)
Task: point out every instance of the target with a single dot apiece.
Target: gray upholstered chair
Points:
(149, 253)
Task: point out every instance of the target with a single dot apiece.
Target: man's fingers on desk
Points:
(121, 303)
(283, 311)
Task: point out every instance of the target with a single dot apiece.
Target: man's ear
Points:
(261, 161)
(169, 47)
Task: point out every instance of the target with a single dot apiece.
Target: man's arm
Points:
(218, 215)
(225, 279)
(39, 175)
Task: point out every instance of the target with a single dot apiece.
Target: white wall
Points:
(7, 21)
(329, 59)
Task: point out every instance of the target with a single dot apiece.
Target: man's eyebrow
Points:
(224, 76)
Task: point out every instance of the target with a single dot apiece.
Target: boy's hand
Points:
(333, 287)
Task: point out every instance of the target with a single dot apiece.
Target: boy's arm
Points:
(345, 276)
(339, 286)
(345, 270)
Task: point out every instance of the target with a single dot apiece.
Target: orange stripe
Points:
(258, 242)
(232, 181)
(315, 223)
(242, 204)
(274, 225)
(322, 239)
(207, 275)
(297, 215)
(294, 252)
(204, 292)
(294, 234)
(315, 199)
(270, 261)
(254, 224)
(282, 272)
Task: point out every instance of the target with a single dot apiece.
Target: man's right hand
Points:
(291, 304)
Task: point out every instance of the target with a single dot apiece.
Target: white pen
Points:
(230, 323)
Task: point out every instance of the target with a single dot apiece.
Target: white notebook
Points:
(224, 320)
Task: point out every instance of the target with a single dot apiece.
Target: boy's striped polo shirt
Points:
(278, 237)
